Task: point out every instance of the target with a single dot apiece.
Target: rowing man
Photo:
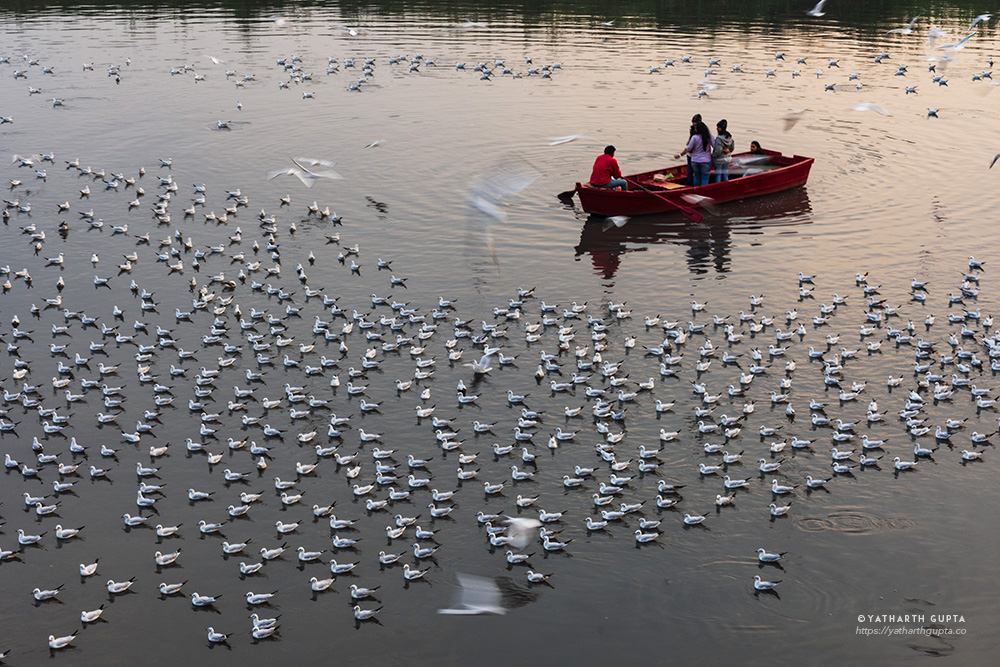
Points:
(606, 172)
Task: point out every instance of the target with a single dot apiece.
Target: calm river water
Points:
(896, 194)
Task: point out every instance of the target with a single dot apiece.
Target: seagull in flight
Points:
(353, 30)
(558, 141)
(791, 118)
(908, 29)
(487, 193)
(877, 108)
(933, 34)
(476, 595)
(305, 174)
(960, 44)
(482, 366)
(507, 177)
(817, 11)
(981, 17)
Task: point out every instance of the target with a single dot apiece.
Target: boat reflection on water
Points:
(708, 243)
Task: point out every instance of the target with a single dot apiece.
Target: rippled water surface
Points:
(897, 197)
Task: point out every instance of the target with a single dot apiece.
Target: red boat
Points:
(662, 190)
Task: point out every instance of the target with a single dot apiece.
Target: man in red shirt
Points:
(606, 173)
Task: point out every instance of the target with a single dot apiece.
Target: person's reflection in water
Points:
(606, 260)
(708, 245)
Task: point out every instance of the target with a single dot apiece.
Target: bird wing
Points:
(329, 172)
(476, 595)
(508, 177)
(521, 531)
(280, 172)
(959, 42)
(877, 108)
(308, 178)
(706, 203)
(995, 158)
(933, 34)
(312, 162)
(616, 221)
(791, 118)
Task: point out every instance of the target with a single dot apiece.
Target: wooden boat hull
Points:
(750, 176)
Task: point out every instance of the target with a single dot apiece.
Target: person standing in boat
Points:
(695, 119)
(606, 173)
(722, 152)
(699, 147)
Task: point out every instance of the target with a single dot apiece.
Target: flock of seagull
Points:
(298, 74)
(295, 74)
(941, 55)
(319, 386)
(298, 358)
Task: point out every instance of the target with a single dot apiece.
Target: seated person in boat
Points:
(754, 163)
(606, 173)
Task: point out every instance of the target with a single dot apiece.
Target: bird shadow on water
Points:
(206, 609)
(942, 649)
(707, 244)
(766, 594)
(417, 582)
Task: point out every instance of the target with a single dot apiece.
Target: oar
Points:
(566, 195)
(689, 213)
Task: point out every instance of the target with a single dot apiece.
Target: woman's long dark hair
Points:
(706, 137)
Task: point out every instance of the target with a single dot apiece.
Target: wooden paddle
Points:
(689, 213)
(567, 195)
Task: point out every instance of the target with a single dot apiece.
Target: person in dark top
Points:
(722, 151)
(606, 173)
